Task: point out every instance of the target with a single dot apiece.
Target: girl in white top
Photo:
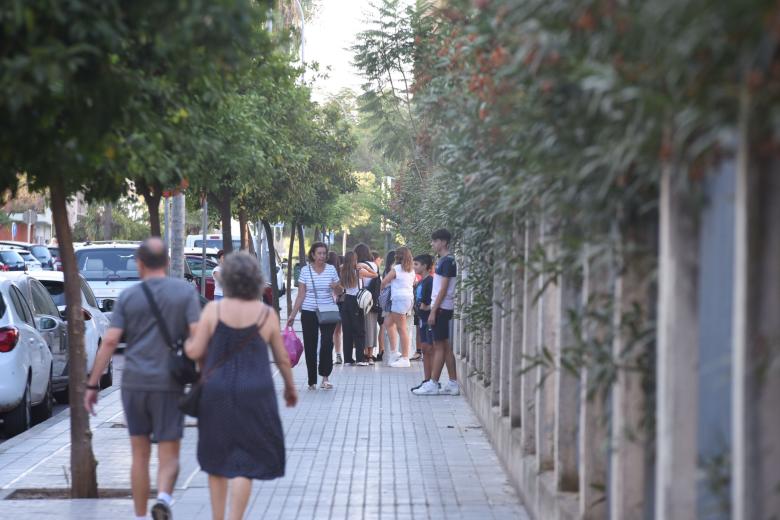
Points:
(401, 282)
(368, 272)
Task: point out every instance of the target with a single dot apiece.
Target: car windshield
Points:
(217, 243)
(28, 256)
(107, 264)
(41, 252)
(195, 264)
(54, 251)
(11, 257)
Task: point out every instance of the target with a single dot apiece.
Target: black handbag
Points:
(181, 368)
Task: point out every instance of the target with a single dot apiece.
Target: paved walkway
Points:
(367, 449)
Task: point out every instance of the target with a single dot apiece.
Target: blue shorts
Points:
(441, 330)
(426, 334)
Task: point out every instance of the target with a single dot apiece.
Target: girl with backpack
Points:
(352, 316)
(368, 271)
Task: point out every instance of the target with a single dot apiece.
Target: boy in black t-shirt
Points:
(422, 309)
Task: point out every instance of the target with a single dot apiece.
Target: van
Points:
(213, 240)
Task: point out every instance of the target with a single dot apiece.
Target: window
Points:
(11, 258)
(19, 303)
(217, 243)
(56, 291)
(41, 300)
(89, 296)
(107, 264)
(41, 253)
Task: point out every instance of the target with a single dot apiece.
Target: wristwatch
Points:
(93, 387)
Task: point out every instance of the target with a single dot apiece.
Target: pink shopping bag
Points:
(293, 345)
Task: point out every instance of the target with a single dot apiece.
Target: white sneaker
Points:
(362, 363)
(450, 388)
(401, 362)
(393, 357)
(427, 388)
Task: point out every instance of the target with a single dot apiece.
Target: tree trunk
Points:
(290, 252)
(177, 236)
(108, 222)
(226, 216)
(301, 246)
(269, 236)
(243, 221)
(152, 196)
(250, 242)
(83, 466)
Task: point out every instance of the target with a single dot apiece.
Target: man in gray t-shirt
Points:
(146, 355)
(149, 394)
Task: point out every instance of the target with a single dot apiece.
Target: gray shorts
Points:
(154, 413)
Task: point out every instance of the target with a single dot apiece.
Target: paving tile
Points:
(368, 449)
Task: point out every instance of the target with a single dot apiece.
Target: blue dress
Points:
(239, 429)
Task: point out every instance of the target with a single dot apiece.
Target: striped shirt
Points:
(322, 281)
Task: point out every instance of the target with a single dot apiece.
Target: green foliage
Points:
(129, 221)
(565, 113)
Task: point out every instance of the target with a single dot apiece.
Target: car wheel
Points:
(42, 411)
(20, 418)
(63, 396)
(107, 379)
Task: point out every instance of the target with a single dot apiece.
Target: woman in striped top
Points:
(323, 277)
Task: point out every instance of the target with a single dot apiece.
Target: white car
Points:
(109, 269)
(95, 323)
(26, 385)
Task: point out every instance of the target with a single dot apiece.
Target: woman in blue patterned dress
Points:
(240, 435)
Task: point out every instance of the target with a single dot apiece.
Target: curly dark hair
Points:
(241, 277)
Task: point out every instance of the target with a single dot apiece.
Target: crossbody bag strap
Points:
(158, 317)
(313, 286)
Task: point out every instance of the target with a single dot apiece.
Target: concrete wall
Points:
(695, 436)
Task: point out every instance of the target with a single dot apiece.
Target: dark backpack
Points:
(373, 288)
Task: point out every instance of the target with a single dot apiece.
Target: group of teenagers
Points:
(420, 288)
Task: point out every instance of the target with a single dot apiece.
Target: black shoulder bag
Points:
(181, 367)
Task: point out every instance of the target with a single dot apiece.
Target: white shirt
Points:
(321, 281)
(445, 268)
(367, 279)
(401, 286)
(217, 285)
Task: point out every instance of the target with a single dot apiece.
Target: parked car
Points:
(211, 252)
(39, 251)
(95, 325)
(43, 307)
(56, 262)
(213, 240)
(26, 382)
(195, 263)
(30, 262)
(11, 260)
(110, 268)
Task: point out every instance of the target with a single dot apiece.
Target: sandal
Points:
(312, 387)
(326, 385)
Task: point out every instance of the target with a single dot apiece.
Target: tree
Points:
(68, 89)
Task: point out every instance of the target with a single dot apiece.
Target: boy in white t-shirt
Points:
(218, 294)
(442, 310)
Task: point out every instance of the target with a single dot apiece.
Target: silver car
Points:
(56, 337)
(26, 382)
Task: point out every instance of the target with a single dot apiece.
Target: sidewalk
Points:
(367, 449)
